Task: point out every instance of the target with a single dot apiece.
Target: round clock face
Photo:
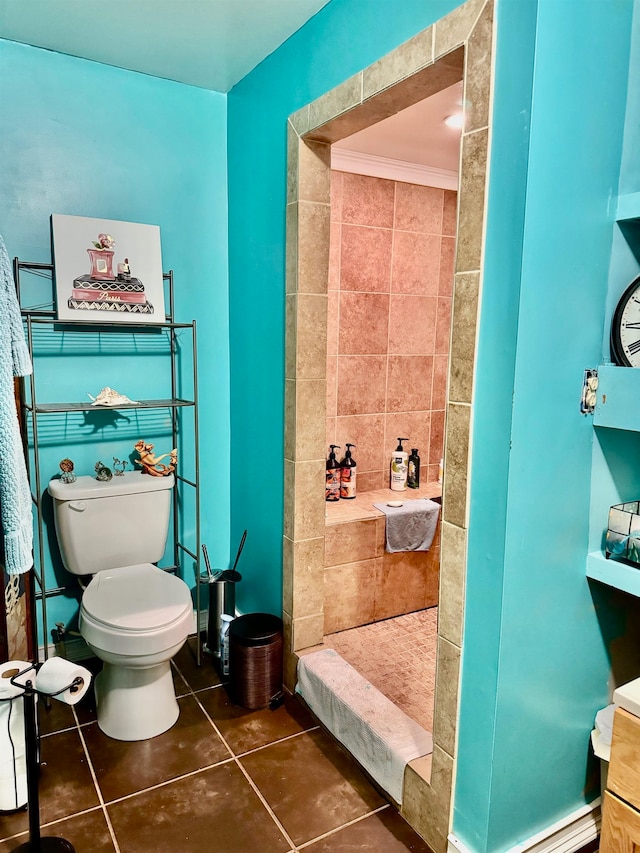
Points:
(625, 328)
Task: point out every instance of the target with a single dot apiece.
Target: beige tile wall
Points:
(392, 248)
(363, 584)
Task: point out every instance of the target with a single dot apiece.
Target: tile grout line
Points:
(344, 826)
(272, 814)
(52, 823)
(194, 693)
(292, 846)
(169, 781)
(98, 789)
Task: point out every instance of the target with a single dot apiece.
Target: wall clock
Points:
(625, 327)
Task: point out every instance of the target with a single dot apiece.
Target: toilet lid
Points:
(136, 598)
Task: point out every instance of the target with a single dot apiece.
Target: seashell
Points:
(109, 397)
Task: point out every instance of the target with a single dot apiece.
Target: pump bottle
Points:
(413, 470)
(348, 475)
(332, 486)
(399, 467)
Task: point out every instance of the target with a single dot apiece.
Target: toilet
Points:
(134, 616)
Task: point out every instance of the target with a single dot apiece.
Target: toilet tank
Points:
(107, 525)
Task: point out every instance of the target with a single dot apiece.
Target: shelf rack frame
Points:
(31, 408)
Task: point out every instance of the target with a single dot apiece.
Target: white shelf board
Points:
(628, 207)
(618, 398)
(614, 573)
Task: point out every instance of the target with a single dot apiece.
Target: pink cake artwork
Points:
(122, 277)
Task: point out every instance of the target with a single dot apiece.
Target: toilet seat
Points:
(135, 610)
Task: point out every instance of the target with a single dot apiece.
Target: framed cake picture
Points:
(107, 271)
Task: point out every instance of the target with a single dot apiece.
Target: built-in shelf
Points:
(618, 403)
(55, 408)
(628, 207)
(619, 575)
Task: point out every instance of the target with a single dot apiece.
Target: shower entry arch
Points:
(458, 47)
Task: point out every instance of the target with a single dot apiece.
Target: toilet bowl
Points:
(133, 615)
(135, 619)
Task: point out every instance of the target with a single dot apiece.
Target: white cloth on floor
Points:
(412, 526)
(374, 730)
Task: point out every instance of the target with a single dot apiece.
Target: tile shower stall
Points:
(392, 248)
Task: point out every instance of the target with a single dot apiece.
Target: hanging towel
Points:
(15, 494)
(412, 526)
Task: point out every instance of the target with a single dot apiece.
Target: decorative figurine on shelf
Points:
(67, 476)
(119, 471)
(152, 464)
(102, 472)
(110, 397)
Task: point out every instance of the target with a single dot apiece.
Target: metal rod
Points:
(196, 453)
(206, 561)
(31, 752)
(104, 325)
(187, 551)
(242, 541)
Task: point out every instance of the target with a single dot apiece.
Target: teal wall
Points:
(344, 37)
(86, 139)
(535, 665)
(81, 138)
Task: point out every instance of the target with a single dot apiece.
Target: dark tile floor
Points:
(223, 778)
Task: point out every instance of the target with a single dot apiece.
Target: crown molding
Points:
(393, 170)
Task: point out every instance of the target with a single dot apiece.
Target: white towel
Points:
(379, 734)
(412, 526)
(15, 495)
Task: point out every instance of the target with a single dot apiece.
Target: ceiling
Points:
(206, 43)
(415, 135)
(213, 44)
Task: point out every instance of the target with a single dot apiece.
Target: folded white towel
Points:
(412, 526)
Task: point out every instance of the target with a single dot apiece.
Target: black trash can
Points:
(255, 659)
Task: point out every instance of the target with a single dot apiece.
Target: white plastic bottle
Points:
(225, 621)
(398, 478)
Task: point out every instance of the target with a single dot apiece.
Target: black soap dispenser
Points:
(332, 486)
(413, 469)
(348, 475)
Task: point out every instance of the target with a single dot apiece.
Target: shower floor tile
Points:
(398, 656)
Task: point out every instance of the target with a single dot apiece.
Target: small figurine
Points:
(102, 472)
(119, 472)
(152, 464)
(109, 397)
(67, 476)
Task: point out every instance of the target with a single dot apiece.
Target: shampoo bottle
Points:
(413, 469)
(332, 486)
(348, 475)
(399, 467)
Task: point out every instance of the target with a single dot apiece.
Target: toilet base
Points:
(136, 703)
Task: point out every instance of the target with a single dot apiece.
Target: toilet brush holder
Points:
(36, 843)
(221, 586)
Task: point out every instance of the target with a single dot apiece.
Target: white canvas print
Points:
(107, 271)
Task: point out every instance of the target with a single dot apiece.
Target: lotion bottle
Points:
(398, 479)
(348, 475)
(332, 486)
